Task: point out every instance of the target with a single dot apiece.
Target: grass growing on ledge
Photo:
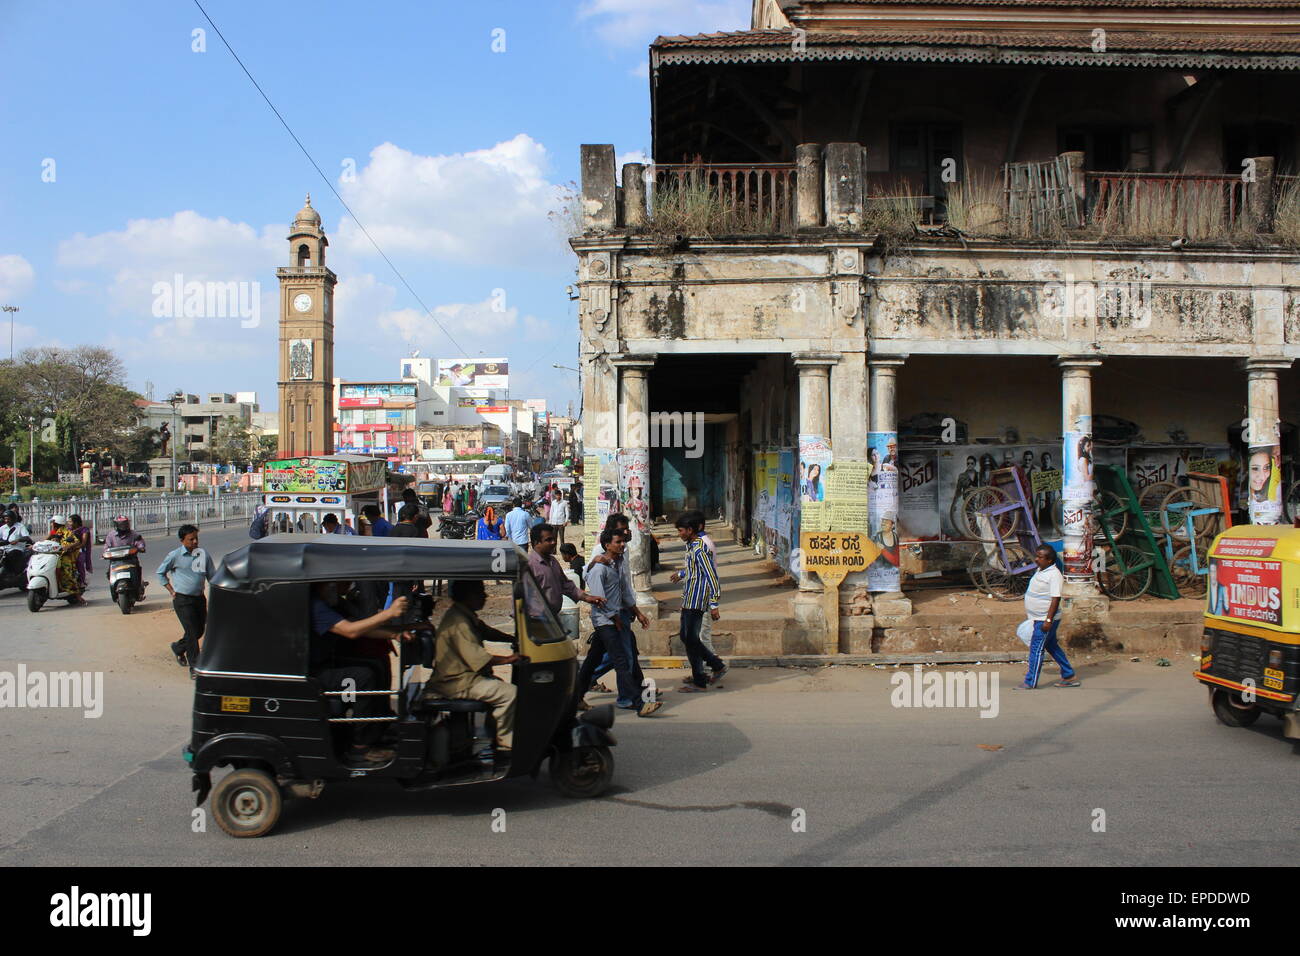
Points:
(1286, 216)
(696, 209)
(977, 207)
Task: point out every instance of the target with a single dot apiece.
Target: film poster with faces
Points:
(933, 483)
(883, 507)
(1264, 473)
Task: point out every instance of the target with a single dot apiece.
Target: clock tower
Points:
(306, 341)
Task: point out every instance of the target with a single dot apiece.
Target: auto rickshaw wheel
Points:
(1232, 711)
(582, 772)
(246, 803)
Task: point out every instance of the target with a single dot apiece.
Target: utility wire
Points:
(329, 185)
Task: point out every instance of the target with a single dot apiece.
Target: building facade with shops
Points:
(942, 238)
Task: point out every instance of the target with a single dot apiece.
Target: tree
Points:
(268, 447)
(232, 441)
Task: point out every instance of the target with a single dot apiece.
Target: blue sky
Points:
(131, 158)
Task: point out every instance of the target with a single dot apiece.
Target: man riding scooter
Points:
(122, 546)
(15, 551)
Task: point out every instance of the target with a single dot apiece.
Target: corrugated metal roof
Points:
(1123, 48)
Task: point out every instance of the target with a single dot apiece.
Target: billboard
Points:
(481, 373)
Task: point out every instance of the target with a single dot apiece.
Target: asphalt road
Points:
(714, 778)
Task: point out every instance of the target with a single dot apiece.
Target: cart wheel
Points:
(1152, 502)
(979, 527)
(991, 578)
(1202, 525)
(246, 803)
(1108, 507)
(582, 772)
(1190, 581)
(1121, 578)
(1232, 710)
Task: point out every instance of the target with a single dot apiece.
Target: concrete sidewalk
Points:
(757, 620)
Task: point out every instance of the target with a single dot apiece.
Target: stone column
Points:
(1263, 439)
(890, 605)
(809, 606)
(845, 185)
(1077, 485)
(599, 191)
(808, 186)
(634, 468)
(634, 194)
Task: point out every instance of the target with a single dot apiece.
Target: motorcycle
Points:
(13, 566)
(459, 528)
(125, 578)
(43, 576)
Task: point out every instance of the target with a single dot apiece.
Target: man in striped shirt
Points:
(700, 593)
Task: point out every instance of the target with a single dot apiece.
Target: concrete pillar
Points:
(599, 192)
(1259, 193)
(814, 414)
(1078, 180)
(889, 603)
(808, 186)
(1263, 439)
(634, 208)
(1077, 487)
(634, 446)
(845, 185)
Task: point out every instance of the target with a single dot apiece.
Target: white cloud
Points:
(152, 251)
(630, 22)
(641, 71)
(16, 277)
(485, 207)
(477, 326)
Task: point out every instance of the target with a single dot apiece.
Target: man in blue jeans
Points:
(1043, 607)
(701, 592)
(607, 580)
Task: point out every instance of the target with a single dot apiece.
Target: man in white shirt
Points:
(14, 531)
(1043, 607)
(559, 515)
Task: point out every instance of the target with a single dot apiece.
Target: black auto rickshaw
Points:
(1250, 651)
(258, 710)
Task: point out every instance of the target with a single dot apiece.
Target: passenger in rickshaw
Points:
(328, 663)
(462, 665)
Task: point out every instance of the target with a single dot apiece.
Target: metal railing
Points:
(147, 512)
(1197, 206)
(743, 198)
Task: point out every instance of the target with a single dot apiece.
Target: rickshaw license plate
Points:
(238, 705)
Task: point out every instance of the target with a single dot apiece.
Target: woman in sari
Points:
(67, 572)
(83, 554)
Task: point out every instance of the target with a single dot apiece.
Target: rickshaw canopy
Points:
(307, 558)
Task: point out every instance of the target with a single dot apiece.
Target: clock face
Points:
(302, 302)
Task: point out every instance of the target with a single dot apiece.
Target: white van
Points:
(498, 475)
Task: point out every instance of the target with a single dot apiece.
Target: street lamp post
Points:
(15, 449)
(174, 401)
(11, 309)
(31, 435)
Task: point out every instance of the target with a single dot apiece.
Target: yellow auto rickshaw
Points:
(1250, 651)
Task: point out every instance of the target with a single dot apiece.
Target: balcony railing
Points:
(1054, 199)
(1202, 206)
(695, 199)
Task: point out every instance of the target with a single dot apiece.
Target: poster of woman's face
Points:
(1261, 469)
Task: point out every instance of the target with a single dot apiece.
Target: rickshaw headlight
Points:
(1275, 659)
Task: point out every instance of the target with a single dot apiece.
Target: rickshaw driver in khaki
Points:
(461, 663)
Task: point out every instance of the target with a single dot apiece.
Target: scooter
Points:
(13, 566)
(43, 576)
(125, 579)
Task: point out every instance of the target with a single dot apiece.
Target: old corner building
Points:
(306, 341)
(946, 238)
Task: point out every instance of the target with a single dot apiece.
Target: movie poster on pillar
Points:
(815, 458)
(882, 510)
(1264, 484)
(634, 478)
